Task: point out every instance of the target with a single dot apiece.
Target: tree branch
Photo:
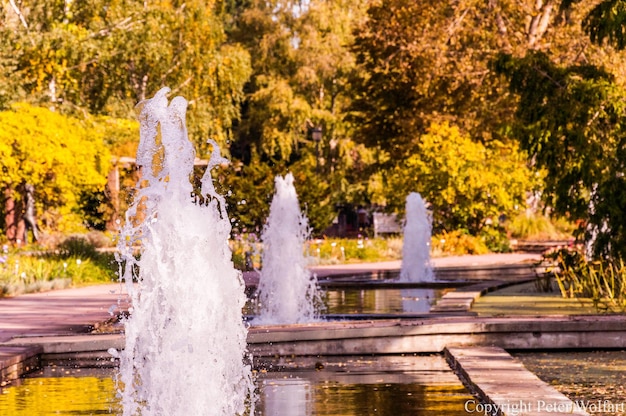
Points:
(19, 13)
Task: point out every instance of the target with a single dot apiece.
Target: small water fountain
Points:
(185, 337)
(287, 291)
(416, 265)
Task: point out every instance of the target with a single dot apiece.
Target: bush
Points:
(495, 239)
(465, 182)
(458, 243)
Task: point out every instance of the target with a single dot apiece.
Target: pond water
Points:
(596, 379)
(385, 385)
(375, 301)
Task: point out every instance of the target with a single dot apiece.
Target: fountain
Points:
(287, 291)
(186, 346)
(416, 248)
(185, 337)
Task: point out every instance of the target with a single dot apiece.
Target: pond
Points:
(363, 300)
(595, 379)
(386, 385)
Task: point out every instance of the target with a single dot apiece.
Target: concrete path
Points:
(505, 386)
(59, 312)
(439, 262)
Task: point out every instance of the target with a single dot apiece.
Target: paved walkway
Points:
(72, 311)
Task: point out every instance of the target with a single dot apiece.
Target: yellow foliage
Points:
(466, 183)
(61, 156)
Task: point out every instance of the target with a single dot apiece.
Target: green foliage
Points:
(362, 249)
(429, 61)
(247, 250)
(570, 122)
(606, 22)
(301, 65)
(248, 190)
(495, 238)
(601, 281)
(466, 184)
(62, 157)
(104, 57)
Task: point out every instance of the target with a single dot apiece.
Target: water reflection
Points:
(336, 386)
(61, 391)
(341, 301)
(356, 385)
(375, 301)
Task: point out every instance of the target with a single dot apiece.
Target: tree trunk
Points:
(9, 215)
(113, 192)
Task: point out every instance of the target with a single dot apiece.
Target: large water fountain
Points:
(416, 265)
(287, 291)
(185, 337)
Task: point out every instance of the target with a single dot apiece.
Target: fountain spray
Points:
(416, 265)
(185, 337)
(287, 291)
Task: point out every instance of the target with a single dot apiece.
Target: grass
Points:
(526, 299)
(602, 281)
(537, 227)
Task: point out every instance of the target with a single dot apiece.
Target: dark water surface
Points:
(593, 379)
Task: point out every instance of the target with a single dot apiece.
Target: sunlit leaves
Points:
(466, 183)
(60, 156)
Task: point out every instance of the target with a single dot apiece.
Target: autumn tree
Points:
(104, 57)
(420, 63)
(464, 181)
(301, 67)
(62, 157)
(570, 120)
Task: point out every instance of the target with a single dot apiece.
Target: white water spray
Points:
(185, 337)
(416, 246)
(287, 291)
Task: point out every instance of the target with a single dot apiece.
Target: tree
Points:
(430, 61)
(301, 66)
(62, 157)
(104, 57)
(570, 120)
(467, 184)
(425, 63)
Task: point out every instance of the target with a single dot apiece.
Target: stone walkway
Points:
(504, 385)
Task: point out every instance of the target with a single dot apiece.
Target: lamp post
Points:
(316, 135)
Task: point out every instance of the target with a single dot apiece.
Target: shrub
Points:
(458, 243)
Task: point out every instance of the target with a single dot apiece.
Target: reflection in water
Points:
(338, 386)
(380, 300)
(284, 396)
(59, 391)
(375, 301)
(297, 397)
